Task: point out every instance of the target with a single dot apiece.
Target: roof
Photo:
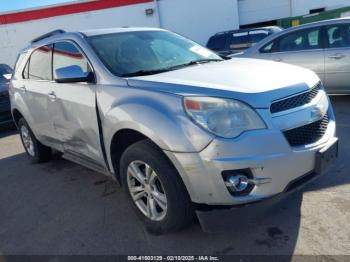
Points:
(58, 34)
(249, 29)
(317, 23)
(342, 19)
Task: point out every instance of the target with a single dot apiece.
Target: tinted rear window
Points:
(217, 43)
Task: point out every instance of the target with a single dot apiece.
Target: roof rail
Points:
(52, 33)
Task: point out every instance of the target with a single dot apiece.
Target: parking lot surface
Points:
(60, 208)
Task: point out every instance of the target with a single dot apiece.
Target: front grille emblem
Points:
(318, 112)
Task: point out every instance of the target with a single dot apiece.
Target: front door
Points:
(75, 118)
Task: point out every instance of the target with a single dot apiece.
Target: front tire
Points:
(36, 151)
(155, 188)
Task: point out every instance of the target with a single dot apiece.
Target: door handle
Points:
(336, 56)
(23, 88)
(278, 59)
(52, 95)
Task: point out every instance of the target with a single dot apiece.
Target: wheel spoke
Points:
(152, 178)
(136, 173)
(148, 172)
(160, 199)
(139, 195)
(136, 189)
(24, 132)
(151, 208)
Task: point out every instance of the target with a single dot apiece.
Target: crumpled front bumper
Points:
(266, 153)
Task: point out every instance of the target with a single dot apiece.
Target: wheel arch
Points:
(121, 140)
(16, 115)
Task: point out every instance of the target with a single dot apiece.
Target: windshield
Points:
(148, 52)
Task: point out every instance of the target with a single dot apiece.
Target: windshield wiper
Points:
(145, 72)
(162, 70)
(197, 62)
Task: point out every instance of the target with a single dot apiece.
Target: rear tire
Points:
(37, 152)
(161, 201)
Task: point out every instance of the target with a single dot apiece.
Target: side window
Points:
(240, 41)
(217, 43)
(258, 35)
(338, 36)
(300, 40)
(66, 55)
(40, 64)
(269, 48)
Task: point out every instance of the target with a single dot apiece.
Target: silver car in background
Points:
(323, 47)
(235, 41)
(184, 131)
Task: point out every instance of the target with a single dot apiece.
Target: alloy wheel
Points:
(27, 141)
(147, 190)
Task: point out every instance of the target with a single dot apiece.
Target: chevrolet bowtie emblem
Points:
(317, 112)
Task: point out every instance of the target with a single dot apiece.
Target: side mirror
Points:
(73, 74)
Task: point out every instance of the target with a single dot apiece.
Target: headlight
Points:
(227, 118)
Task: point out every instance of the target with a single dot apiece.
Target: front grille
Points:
(307, 134)
(295, 101)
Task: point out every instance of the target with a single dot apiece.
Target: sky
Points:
(12, 5)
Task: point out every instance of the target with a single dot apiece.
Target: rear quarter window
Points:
(19, 64)
(217, 43)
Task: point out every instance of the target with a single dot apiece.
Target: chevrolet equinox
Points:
(182, 130)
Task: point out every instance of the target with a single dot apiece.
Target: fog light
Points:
(237, 183)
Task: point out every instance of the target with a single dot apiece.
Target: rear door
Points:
(301, 48)
(75, 118)
(337, 58)
(35, 91)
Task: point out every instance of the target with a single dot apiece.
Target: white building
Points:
(257, 11)
(196, 19)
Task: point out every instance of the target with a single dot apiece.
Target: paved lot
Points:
(62, 208)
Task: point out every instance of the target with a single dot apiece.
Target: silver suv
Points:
(184, 131)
